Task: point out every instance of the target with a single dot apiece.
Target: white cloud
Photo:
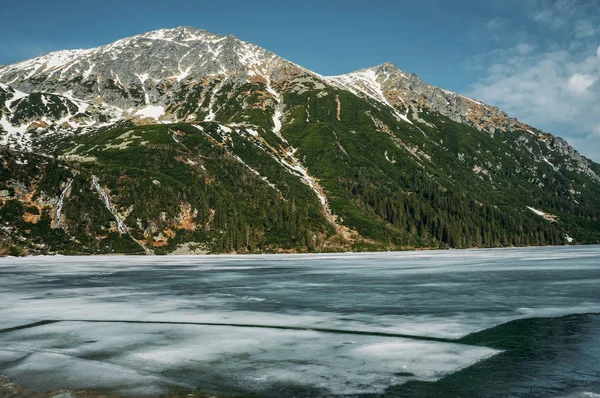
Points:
(556, 91)
(579, 83)
(547, 72)
(549, 18)
(525, 48)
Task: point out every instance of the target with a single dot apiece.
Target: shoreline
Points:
(285, 254)
(11, 389)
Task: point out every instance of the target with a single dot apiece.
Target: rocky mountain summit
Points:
(374, 159)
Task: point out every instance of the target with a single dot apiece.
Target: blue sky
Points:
(539, 60)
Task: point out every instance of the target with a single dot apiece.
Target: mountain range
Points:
(184, 141)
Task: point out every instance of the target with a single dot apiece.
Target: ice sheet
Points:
(442, 294)
(104, 355)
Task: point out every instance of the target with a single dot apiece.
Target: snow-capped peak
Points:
(161, 54)
(136, 77)
(183, 34)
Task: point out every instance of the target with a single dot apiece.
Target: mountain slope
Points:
(181, 140)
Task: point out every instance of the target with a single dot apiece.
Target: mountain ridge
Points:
(373, 159)
(191, 34)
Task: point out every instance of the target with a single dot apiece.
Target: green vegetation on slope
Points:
(227, 186)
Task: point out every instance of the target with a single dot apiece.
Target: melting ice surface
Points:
(335, 323)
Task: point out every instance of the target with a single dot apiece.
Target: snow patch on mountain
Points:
(60, 203)
(453, 94)
(46, 63)
(151, 111)
(277, 114)
(296, 166)
(364, 82)
(546, 216)
(16, 134)
(16, 95)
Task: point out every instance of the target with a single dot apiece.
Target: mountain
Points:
(183, 141)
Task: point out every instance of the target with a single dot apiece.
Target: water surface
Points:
(497, 322)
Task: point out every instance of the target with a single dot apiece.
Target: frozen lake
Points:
(497, 322)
